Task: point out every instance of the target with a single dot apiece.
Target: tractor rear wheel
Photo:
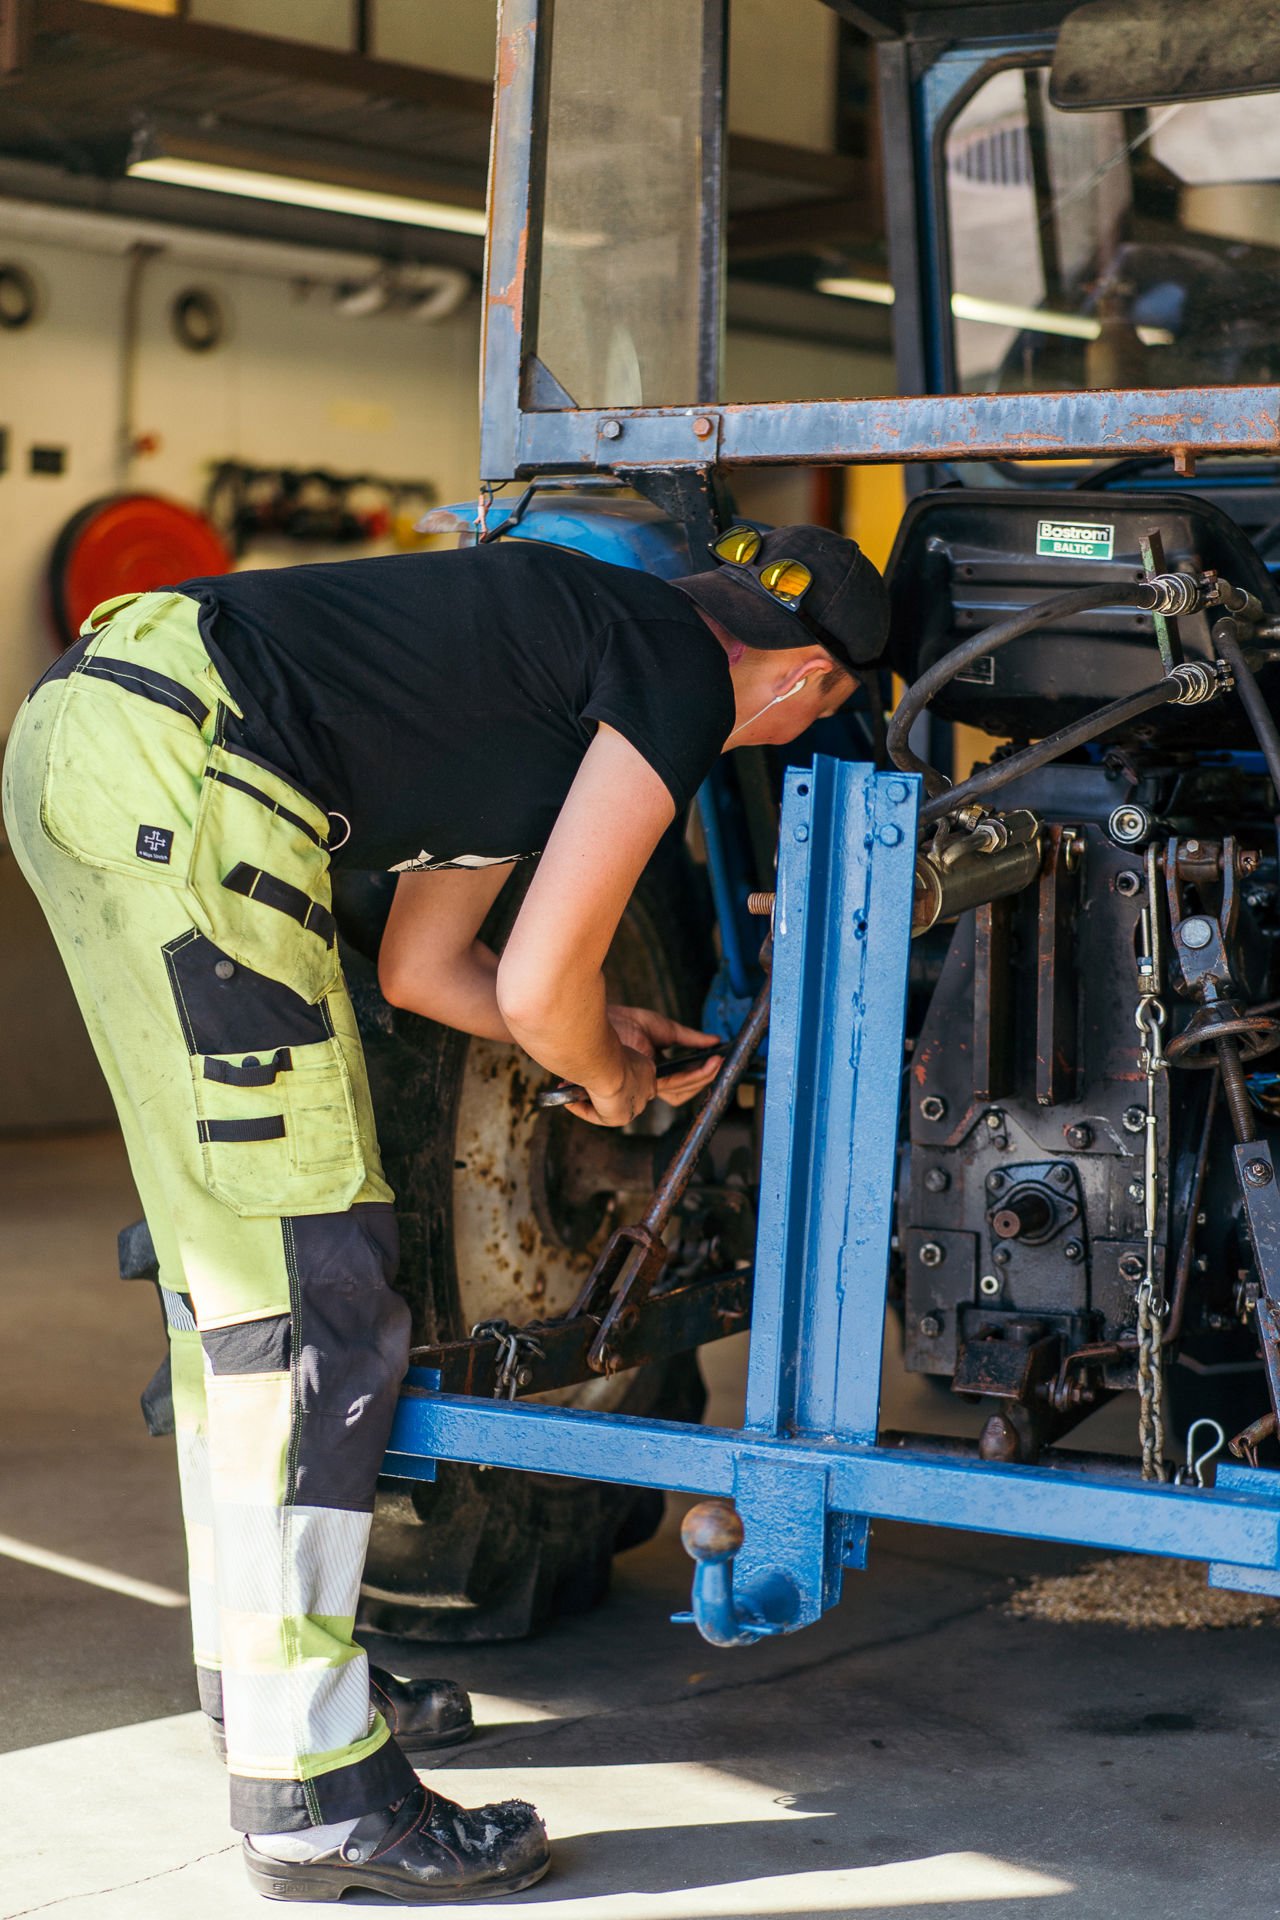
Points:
(483, 1553)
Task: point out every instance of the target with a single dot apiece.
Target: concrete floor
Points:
(918, 1752)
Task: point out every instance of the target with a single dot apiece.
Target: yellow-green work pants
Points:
(187, 887)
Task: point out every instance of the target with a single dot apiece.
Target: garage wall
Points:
(295, 382)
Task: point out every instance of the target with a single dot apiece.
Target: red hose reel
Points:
(127, 543)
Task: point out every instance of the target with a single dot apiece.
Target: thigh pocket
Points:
(121, 784)
(260, 875)
(278, 1131)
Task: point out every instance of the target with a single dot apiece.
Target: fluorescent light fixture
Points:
(878, 292)
(994, 313)
(326, 195)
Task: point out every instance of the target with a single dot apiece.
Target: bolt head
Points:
(929, 1326)
(989, 1285)
(1073, 1250)
(995, 1182)
(931, 1254)
(1062, 1176)
(1128, 884)
(1078, 1136)
(995, 1119)
(1002, 1256)
(610, 429)
(1258, 1172)
(1135, 1120)
(704, 426)
(1196, 932)
(936, 1180)
(932, 1107)
(224, 969)
(1134, 1189)
(1131, 1266)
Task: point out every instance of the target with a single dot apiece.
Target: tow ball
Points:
(712, 1533)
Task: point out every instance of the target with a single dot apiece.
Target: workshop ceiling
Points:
(84, 77)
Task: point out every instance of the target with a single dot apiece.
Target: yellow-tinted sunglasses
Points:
(786, 580)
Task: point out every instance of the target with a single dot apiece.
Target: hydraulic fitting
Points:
(1000, 854)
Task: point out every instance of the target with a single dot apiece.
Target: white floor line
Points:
(91, 1575)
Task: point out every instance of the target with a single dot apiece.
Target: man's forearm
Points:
(462, 994)
(567, 1031)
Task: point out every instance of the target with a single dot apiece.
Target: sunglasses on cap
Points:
(786, 581)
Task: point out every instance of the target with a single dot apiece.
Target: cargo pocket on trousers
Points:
(260, 875)
(278, 1131)
(122, 769)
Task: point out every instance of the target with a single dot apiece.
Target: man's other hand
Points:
(642, 1032)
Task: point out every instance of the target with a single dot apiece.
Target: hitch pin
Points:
(1192, 1475)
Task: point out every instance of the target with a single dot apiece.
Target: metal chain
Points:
(516, 1347)
(1150, 1016)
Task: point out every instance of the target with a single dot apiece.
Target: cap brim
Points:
(750, 616)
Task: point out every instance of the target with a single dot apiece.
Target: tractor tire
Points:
(483, 1553)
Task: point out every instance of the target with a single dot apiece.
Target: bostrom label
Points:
(1075, 539)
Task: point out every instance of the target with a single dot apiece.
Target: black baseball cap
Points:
(846, 609)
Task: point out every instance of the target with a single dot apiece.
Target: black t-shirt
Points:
(443, 702)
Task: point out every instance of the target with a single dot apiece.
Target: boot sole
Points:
(279, 1880)
(412, 1747)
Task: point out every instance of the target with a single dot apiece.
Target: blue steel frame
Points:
(806, 1472)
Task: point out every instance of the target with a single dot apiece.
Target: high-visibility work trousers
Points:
(187, 887)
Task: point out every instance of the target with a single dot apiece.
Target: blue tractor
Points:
(999, 978)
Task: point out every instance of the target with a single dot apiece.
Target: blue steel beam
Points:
(1237, 1525)
(841, 945)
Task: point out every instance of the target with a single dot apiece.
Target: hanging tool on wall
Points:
(313, 505)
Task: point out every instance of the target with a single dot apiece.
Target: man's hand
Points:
(642, 1031)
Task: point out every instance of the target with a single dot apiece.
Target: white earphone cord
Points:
(775, 702)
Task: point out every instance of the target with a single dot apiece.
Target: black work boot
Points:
(423, 1715)
(424, 1849)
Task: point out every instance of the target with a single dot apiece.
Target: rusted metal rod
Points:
(1237, 1093)
(670, 1189)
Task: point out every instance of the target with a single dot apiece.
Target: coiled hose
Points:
(1044, 613)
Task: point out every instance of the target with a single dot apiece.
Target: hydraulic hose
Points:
(1043, 614)
(1114, 714)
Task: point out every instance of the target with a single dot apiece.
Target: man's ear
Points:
(806, 670)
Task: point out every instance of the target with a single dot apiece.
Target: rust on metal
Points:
(673, 1322)
(1055, 1044)
(992, 1011)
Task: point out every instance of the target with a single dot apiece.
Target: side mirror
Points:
(1142, 53)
